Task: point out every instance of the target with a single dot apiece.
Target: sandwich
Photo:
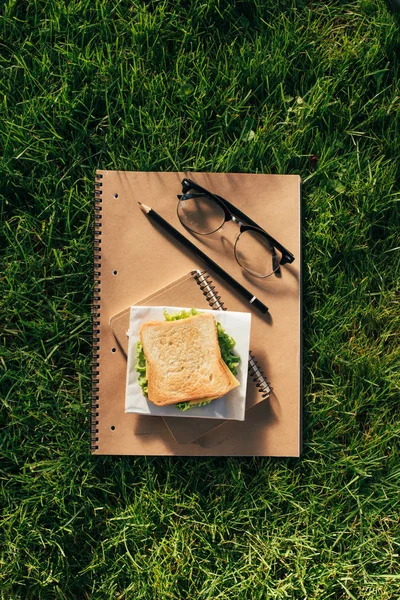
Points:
(180, 360)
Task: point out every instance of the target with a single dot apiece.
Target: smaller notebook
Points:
(195, 289)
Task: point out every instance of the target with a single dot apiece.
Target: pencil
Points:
(238, 287)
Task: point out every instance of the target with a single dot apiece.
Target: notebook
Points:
(195, 290)
(133, 257)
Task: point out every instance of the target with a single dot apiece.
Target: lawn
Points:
(302, 87)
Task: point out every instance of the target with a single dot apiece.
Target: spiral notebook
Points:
(133, 258)
(194, 290)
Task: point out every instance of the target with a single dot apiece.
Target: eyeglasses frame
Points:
(232, 213)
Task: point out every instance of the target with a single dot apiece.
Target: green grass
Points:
(218, 86)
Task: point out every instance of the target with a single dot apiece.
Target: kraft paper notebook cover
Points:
(134, 257)
(195, 290)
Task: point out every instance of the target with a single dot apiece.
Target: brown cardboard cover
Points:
(184, 291)
(137, 257)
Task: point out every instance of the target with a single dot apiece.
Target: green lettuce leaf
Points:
(187, 406)
(184, 314)
(141, 368)
(227, 344)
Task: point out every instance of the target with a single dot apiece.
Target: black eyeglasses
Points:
(203, 213)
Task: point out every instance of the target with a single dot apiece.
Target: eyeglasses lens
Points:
(200, 213)
(256, 254)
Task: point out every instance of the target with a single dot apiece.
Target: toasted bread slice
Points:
(184, 361)
(234, 382)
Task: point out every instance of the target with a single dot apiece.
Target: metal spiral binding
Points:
(96, 311)
(258, 377)
(203, 280)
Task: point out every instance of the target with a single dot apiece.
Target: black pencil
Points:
(253, 300)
